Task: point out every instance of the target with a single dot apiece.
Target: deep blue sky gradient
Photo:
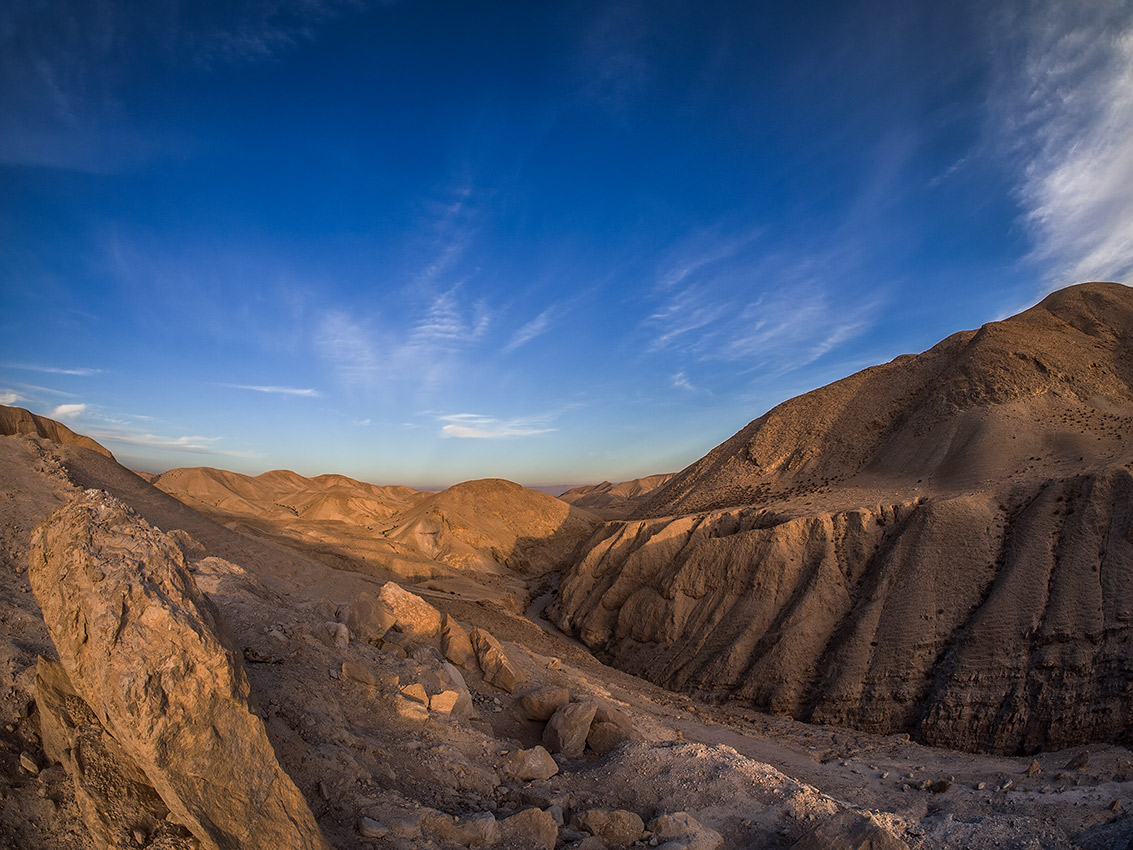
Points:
(425, 242)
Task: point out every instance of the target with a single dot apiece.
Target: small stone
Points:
(139, 836)
(940, 786)
(324, 792)
(1115, 806)
(28, 763)
(530, 827)
(614, 826)
(1005, 784)
(1080, 761)
(980, 786)
(1035, 769)
(370, 828)
(360, 673)
(444, 702)
(526, 765)
(416, 692)
(498, 668)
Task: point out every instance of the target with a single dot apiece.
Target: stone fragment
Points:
(568, 728)
(415, 691)
(605, 737)
(1035, 768)
(526, 765)
(326, 611)
(28, 763)
(361, 673)
(368, 618)
(413, 616)
(370, 828)
(336, 635)
(444, 702)
(682, 830)
(143, 649)
(469, 831)
(616, 827)
(455, 643)
(530, 828)
(498, 669)
(850, 830)
(540, 703)
(1079, 762)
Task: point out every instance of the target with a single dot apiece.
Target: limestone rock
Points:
(498, 669)
(849, 830)
(113, 794)
(682, 830)
(526, 765)
(530, 827)
(616, 827)
(370, 828)
(368, 618)
(412, 615)
(142, 647)
(540, 703)
(605, 737)
(568, 728)
(188, 544)
(455, 643)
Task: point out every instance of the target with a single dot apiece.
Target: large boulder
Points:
(412, 615)
(368, 618)
(143, 648)
(568, 728)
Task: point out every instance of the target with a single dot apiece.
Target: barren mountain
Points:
(175, 683)
(615, 501)
(941, 545)
(488, 526)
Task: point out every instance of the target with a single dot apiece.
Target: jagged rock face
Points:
(969, 581)
(142, 646)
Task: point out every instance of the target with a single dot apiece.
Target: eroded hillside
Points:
(942, 545)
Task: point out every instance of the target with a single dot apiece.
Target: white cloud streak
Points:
(68, 411)
(473, 426)
(270, 390)
(1069, 119)
(10, 397)
(535, 328)
(81, 372)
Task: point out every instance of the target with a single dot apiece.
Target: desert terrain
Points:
(896, 612)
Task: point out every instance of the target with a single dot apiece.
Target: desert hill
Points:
(488, 526)
(615, 501)
(174, 682)
(16, 420)
(940, 545)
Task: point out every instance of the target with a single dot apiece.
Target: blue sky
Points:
(424, 242)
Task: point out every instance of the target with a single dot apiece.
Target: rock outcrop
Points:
(940, 545)
(143, 649)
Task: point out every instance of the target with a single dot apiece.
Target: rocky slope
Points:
(410, 718)
(941, 545)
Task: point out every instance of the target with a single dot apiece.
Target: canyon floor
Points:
(380, 770)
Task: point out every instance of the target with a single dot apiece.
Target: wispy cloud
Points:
(535, 328)
(295, 391)
(350, 348)
(54, 370)
(473, 426)
(681, 382)
(1067, 113)
(10, 397)
(447, 323)
(68, 411)
(189, 444)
